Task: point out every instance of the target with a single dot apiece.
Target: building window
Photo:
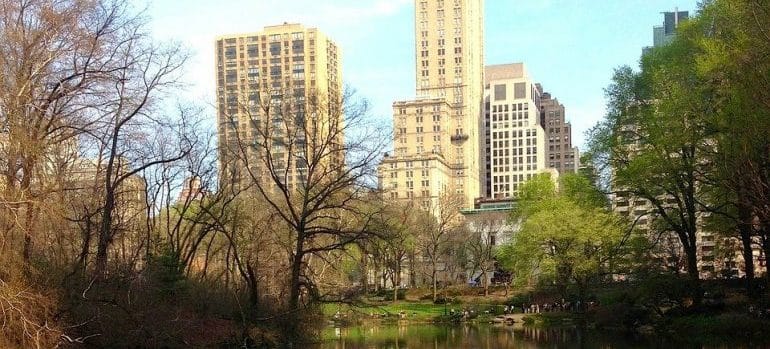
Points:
(252, 51)
(520, 90)
(275, 48)
(500, 92)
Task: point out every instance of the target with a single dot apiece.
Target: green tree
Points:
(654, 140)
(734, 49)
(567, 235)
(688, 132)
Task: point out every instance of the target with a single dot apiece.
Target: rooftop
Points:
(504, 71)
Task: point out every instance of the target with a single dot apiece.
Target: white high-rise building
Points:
(514, 140)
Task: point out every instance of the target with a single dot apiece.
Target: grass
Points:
(414, 310)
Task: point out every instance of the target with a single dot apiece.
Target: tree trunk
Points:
(80, 264)
(384, 278)
(745, 229)
(748, 257)
(28, 231)
(396, 281)
(766, 249)
(378, 274)
(433, 279)
(364, 273)
(412, 271)
(105, 233)
(28, 219)
(296, 269)
(485, 281)
(253, 287)
(693, 275)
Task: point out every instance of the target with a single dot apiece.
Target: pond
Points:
(493, 337)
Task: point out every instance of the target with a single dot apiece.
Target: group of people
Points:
(465, 313)
(537, 308)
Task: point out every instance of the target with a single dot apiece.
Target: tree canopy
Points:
(567, 234)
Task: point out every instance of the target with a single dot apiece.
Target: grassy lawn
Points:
(419, 310)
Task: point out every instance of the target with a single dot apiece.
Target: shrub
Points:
(620, 315)
(27, 316)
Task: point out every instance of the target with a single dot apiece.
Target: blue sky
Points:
(570, 46)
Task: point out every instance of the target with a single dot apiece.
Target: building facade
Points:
(663, 34)
(268, 84)
(514, 140)
(560, 154)
(439, 131)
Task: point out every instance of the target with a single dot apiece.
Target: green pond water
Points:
(494, 336)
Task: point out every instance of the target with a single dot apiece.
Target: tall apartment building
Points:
(514, 140)
(560, 154)
(437, 135)
(267, 82)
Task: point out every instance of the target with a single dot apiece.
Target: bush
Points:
(726, 325)
(519, 300)
(446, 300)
(620, 315)
(26, 314)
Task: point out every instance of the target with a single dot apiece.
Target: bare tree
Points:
(443, 221)
(54, 57)
(311, 158)
(145, 70)
(399, 226)
(484, 230)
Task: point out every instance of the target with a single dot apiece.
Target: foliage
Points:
(566, 236)
(167, 270)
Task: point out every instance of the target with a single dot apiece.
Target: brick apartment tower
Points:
(283, 64)
(560, 154)
(437, 138)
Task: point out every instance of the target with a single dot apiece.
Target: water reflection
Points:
(489, 337)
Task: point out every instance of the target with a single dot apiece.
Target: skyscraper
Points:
(437, 135)
(268, 83)
(663, 34)
(513, 137)
(560, 154)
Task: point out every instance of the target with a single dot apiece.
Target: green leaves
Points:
(567, 235)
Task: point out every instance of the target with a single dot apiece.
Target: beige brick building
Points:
(268, 84)
(437, 136)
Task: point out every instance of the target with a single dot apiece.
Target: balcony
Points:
(459, 138)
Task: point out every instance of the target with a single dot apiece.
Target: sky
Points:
(570, 46)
